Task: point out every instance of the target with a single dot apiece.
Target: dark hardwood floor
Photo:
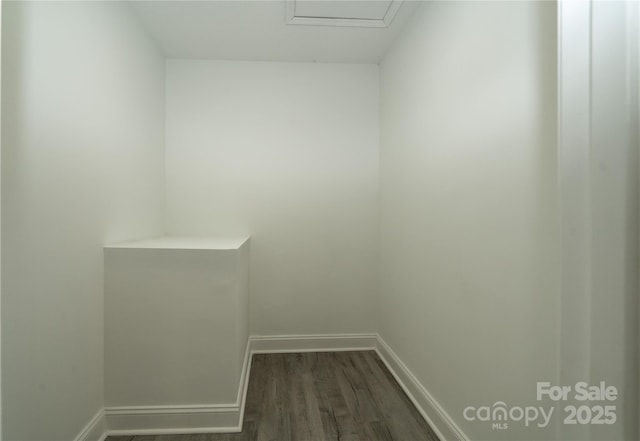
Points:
(320, 396)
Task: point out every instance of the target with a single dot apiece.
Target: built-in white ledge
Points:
(185, 243)
(176, 327)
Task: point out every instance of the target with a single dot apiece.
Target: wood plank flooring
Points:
(323, 396)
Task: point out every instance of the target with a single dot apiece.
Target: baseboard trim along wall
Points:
(439, 420)
(221, 418)
(264, 344)
(165, 420)
(95, 430)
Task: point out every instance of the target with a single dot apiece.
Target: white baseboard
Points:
(223, 418)
(440, 421)
(241, 399)
(168, 420)
(263, 344)
(95, 430)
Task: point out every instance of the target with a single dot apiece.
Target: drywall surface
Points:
(614, 210)
(598, 45)
(0, 216)
(82, 165)
(288, 154)
(574, 46)
(469, 280)
(176, 324)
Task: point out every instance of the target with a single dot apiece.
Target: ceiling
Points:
(262, 30)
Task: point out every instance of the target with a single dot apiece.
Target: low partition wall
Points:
(176, 332)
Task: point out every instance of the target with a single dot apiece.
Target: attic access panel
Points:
(355, 13)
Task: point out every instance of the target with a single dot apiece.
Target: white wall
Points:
(286, 153)
(574, 45)
(469, 278)
(83, 164)
(599, 145)
(0, 219)
(178, 336)
(614, 208)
